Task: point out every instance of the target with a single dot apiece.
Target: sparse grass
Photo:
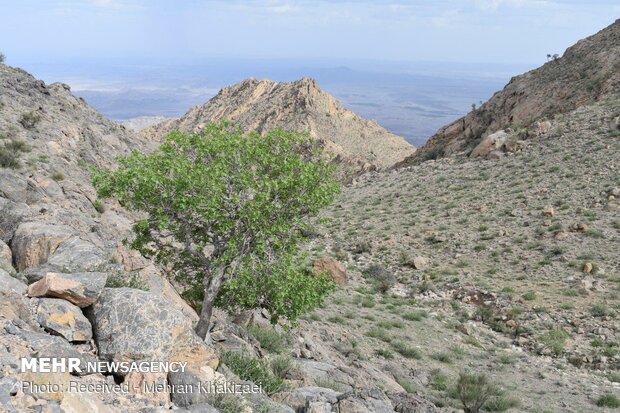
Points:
(253, 369)
(269, 338)
(57, 176)
(555, 340)
(406, 351)
(117, 280)
(608, 400)
(415, 316)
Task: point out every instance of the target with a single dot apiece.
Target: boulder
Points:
(49, 386)
(63, 318)
(419, 263)
(78, 255)
(491, 143)
(131, 325)
(362, 401)
(8, 282)
(33, 243)
(83, 402)
(14, 307)
(548, 211)
(141, 385)
(334, 270)
(45, 345)
(81, 289)
(6, 258)
(193, 377)
(298, 399)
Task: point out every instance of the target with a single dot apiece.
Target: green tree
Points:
(224, 213)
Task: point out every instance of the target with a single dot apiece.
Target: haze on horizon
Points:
(413, 65)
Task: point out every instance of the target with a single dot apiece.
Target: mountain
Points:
(142, 122)
(355, 143)
(588, 71)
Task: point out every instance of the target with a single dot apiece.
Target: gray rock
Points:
(33, 243)
(131, 324)
(7, 282)
(45, 345)
(77, 255)
(298, 399)
(363, 401)
(63, 318)
(81, 289)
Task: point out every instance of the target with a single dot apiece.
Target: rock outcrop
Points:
(354, 143)
(586, 72)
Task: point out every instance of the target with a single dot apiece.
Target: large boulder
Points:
(6, 258)
(490, 144)
(332, 268)
(63, 318)
(194, 377)
(131, 325)
(81, 289)
(33, 243)
(78, 255)
(8, 282)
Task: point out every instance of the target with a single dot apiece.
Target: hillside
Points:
(356, 144)
(586, 72)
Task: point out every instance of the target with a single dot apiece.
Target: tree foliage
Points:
(224, 212)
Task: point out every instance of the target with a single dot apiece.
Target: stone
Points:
(6, 258)
(14, 307)
(489, 144)
(34, 242)
(78, 255)
(45, 345)
(81, 289)
(560, 235)
(83, 402)
(140, 385)
(299, 398)
(63, 318)
(542, 127)
(362, 401)
(49, 386)
(548, 211)
(8, 282)
(334, 270)
(420, 262)
(130, 325)
(193, 377)
(587, 267)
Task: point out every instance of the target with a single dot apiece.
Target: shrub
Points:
(380, 276)
(99, 207)
(281, 366)
(57, 176)
(9, 159)
(253, 369)
(406, 351)
(270, 339)
(529, 296)
(474, 390)
(555, 340)
(29, 119)
(608, 400)
(599, 310)
(414, 315)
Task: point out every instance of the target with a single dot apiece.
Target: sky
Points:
(466, 31)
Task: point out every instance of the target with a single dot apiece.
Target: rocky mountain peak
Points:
(585, 73)
(356, 144)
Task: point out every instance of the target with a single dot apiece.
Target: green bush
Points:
(406, 351)
(555, 340)
(29, 119)
(270, 339)
(58, 176)
(474, 390)
(253, 369)
(380, 276)
(9, 159)
(608, 400)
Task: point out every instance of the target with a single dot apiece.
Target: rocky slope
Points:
(70, 288)
(356, 144)
(586, 72)
(505, 267)
(142, 122)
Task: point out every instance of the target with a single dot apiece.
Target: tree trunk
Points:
(212, 288)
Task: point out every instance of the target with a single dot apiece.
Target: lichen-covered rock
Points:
(33, 243)
(8, 282)
(298, 399)
(131, 324)
(63, 318)
(78, 255)
(81, 289)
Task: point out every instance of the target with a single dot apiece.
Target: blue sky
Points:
(494, 31)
